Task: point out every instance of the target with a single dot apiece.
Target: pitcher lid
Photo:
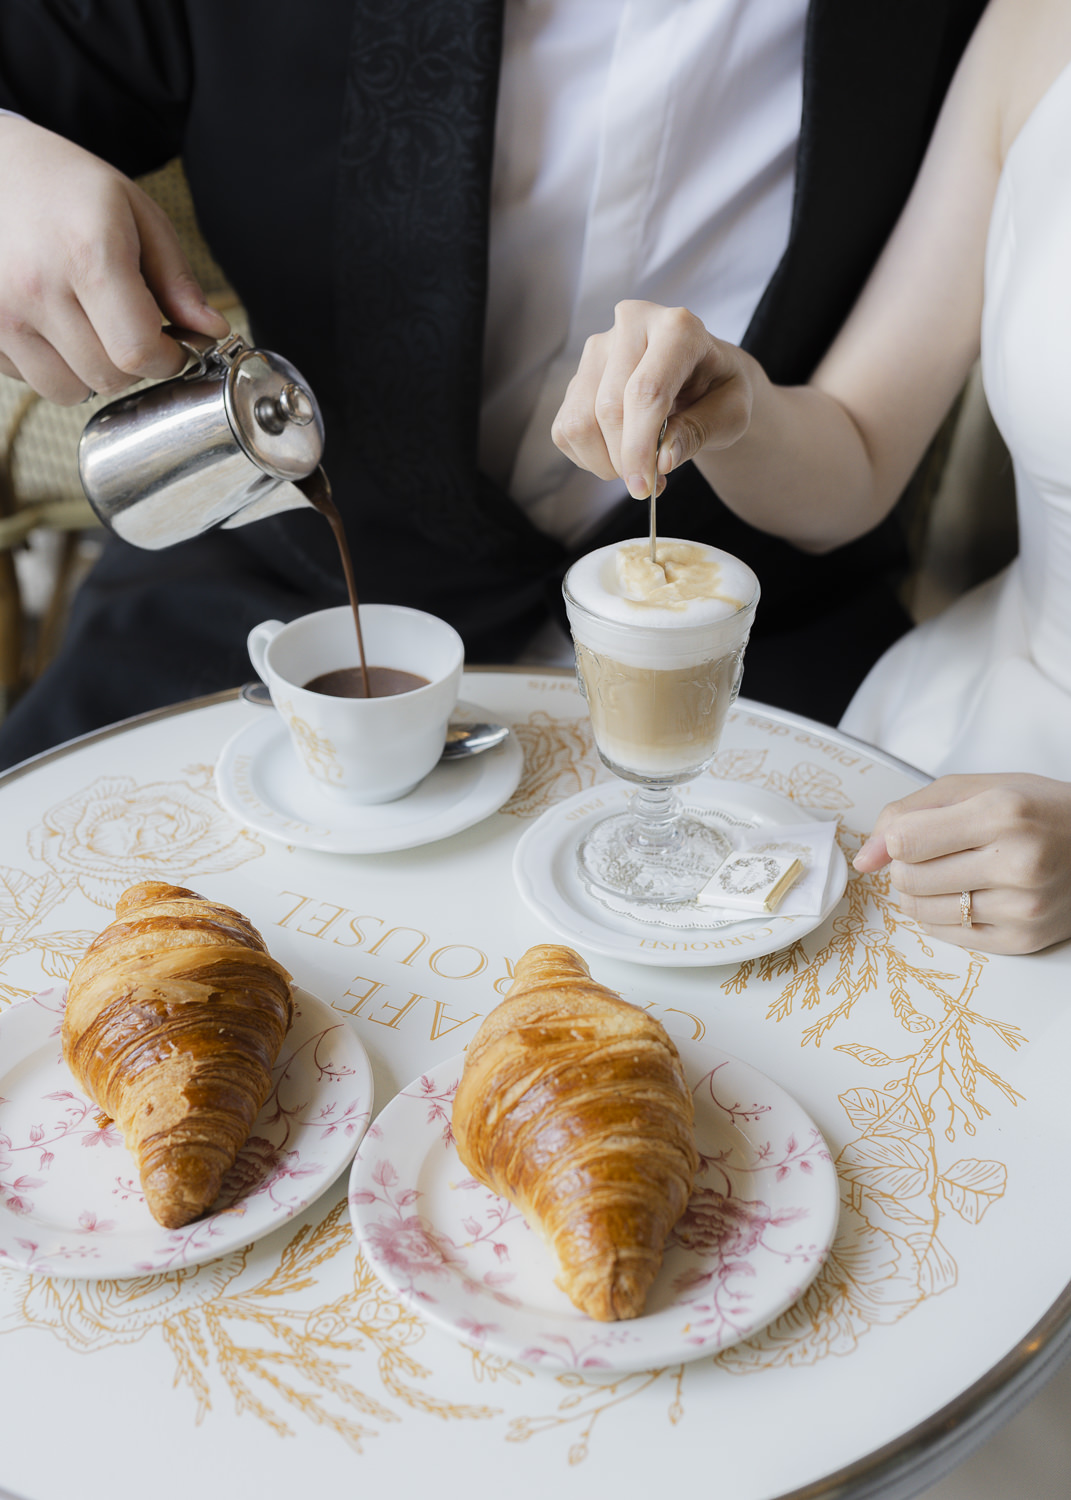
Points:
(273, 414)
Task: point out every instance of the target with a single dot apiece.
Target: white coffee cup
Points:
(362, 750)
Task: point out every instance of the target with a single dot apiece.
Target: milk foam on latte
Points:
(682, 577)
(690, 586)
(658, 648)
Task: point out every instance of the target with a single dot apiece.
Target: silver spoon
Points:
(472, 739)
(462, 737)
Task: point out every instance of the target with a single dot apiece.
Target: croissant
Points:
(573, 1105)
(175, 1017)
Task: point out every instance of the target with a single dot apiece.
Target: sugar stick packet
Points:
(772, 869)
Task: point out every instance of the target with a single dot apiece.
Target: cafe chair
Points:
(46, 531)
(49, 536)
(963, 527)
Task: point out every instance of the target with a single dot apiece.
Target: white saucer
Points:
(261, 782)
(548, 878)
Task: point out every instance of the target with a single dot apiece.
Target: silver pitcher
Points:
(219, 445)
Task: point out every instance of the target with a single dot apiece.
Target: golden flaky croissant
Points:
(573, 1105)
(175, 1017)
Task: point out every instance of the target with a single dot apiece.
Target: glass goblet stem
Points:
(656, 809)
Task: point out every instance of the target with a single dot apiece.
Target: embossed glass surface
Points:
(658, 698)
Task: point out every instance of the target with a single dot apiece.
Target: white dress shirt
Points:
(643, 148)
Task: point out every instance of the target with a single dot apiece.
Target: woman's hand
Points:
(655, 362)
(1006, 839)
(88, 264)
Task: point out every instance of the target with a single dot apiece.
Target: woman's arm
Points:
(824, 463)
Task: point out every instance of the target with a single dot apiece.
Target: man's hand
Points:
(89, 268)
(1004, 838)
(655, 362)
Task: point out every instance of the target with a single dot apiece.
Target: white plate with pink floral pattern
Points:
(759, 1225)
(70, 1200)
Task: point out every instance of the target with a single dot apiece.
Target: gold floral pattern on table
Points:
(585, 1403)
(807, 783)
(559, 760)
(25, 902)
(277, 1358)
(102, 839)
(88, 1315)
(908, 1163)
(118, 831)
(922, 1069)
(903, 1170)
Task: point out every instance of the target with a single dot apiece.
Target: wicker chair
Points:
(46, 525)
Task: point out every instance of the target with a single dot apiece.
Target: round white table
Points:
(937, 1077)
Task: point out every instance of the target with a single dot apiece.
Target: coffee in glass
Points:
(659, 651)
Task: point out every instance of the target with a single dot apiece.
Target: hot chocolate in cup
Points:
(659, 651)
(362, 750)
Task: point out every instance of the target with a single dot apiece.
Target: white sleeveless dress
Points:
(986, 686)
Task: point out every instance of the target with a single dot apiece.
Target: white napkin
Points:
(743, 883)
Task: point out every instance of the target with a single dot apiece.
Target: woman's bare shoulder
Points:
(1024, 47)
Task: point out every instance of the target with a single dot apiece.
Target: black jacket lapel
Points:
(414, 186)
(874, 76)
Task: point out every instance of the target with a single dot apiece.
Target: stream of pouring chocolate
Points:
(317, 491)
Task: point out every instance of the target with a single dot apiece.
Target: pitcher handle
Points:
(202, 346)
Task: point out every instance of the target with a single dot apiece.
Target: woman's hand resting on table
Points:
(88, 263)
(654, 361)
(1004, 838)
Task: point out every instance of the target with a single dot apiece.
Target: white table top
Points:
(936, 1076)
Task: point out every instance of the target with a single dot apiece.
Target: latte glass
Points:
(658, 695)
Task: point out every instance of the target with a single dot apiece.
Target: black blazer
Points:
(340, 164)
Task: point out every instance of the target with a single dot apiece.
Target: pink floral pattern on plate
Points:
(70, 1200)
(759, 1225)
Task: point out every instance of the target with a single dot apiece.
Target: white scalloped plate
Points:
(547, 875)
(760, 1223)
(70, 1200)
